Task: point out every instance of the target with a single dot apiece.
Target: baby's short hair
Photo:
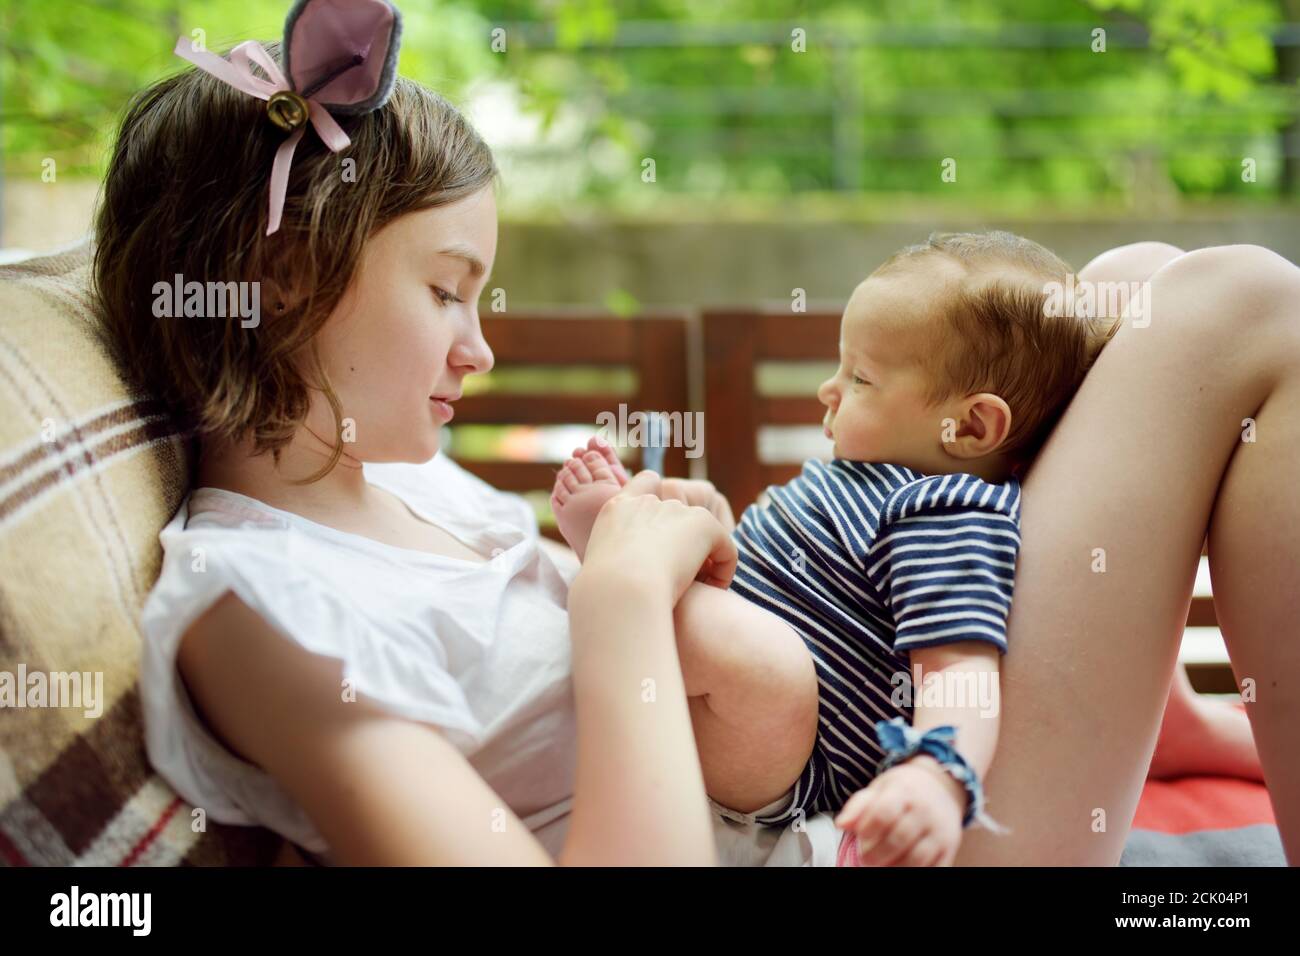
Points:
(993, 332)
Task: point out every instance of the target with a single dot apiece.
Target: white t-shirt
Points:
(479, 649)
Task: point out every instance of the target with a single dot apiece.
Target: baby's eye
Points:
(860, 381)
(445, 297)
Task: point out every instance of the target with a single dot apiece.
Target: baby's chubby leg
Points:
(752, 690)
(750, 679)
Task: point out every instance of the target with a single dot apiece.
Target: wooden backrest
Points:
(734, 343)
(653, 348)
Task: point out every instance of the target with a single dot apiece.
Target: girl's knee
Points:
(1234, 288)
(1236, 268)
(1136, 261)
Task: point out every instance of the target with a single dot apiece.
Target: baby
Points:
(853, 664)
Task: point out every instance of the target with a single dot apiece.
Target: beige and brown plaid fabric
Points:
(89, 475)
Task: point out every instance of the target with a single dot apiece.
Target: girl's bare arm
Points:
(381, 790)
(387, 791)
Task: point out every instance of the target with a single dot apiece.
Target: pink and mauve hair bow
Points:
(340, 57)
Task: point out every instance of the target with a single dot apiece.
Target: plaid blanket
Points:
(89, 474)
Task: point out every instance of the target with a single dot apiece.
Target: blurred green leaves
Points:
(716, 94)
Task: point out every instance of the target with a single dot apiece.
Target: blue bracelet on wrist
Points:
(902, 741)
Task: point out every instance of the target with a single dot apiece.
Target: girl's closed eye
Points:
(443, 296)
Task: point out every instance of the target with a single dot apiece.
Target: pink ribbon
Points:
(237, 71)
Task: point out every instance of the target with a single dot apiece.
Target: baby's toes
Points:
(558, 487)
(564, 483)
(606, 451)
(596, 463)
(560, 491)
(580, 471)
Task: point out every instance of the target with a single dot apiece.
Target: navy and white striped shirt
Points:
(869, 561)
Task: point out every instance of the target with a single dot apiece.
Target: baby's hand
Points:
(910, 815)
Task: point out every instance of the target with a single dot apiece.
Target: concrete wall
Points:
(739, 263)
(708, 263)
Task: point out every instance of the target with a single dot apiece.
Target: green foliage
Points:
(716, 94)
(68, 68)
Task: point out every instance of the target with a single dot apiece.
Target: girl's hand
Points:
(639, 537)
(910, 815)
(700, 493)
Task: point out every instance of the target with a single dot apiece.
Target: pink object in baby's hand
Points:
(848, 851)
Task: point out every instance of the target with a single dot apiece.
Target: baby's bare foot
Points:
(586, 481)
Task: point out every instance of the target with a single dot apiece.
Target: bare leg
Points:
(1198, 735)
(1148, 456)
(1254, 542)
(752, 689)
(1203, 736)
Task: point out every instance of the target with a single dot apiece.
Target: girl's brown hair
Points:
(186, 192)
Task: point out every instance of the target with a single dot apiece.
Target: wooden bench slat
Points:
(560, 341)
(798, 337)
(789, 410)
(1211, 678)
(653, 346)
(525, 409)
(541, 339)
(1202, 613)
(514, 475)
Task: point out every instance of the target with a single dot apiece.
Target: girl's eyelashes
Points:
(443, 296)
(860, 381)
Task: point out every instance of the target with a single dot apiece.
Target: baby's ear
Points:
(986, 423)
